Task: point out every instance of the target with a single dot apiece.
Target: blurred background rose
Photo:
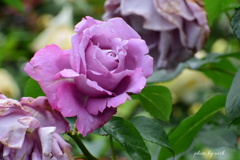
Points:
(8, 85)
(174, 30)
(59, 30)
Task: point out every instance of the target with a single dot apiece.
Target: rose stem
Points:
(112, 148)
(76, 138)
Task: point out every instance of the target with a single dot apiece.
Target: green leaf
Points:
(151, 131)
(128, 136)
(231, 55)
(217, 67)
(233, 100)
(195, 63)
(182, 137)
(215, 7)
(32, 89)
(166, 75)
(235, 22)
(157, 101)
(219, 136)
(222, 73)
(15, 3)
(100, 132)
(75, 149)
(71, 121)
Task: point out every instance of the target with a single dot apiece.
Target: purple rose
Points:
(173, 29)
(107, 62)
(30, 130)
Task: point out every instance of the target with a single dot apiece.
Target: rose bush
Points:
(30, 130)
(107, 62)
(174, 30)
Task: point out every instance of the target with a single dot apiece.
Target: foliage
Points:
(128, 136)
(15, 3)
(157, 101)
(33, 89)
(232, 103)
(235, 23)
(182, 136)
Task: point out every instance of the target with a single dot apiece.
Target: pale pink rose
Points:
(30, 130)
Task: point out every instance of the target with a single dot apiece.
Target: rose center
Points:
(109, 59)
(112, 54)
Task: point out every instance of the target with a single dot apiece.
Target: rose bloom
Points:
(30, 130)
(107, 62)
(173, 29)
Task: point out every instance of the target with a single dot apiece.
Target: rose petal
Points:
(90, 88)
(114, 28)
(36, 153)
(193, 33)
(96, 105)
(75, 56)
(41, 110)
(121, 61)
(50, 89)
(39, 67)
(91, 59)
(12, 132)
(25, 151)
(46, 138)
(122, 29)
(108, 81)
(70, 100)
(136, 57)
(2, 96)
(65, 147)
(85, 23)
(6, 152)
(108, 59)
(116, 101)
(170, 52)
(152, 20)
(31, 122)
(8, 106)
(66, 73)
(132, 84)
(87, 123)
(173, 8)
(137, 82)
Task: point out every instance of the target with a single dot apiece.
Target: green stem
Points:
(80, 157)
(112, 148)
(76, 138)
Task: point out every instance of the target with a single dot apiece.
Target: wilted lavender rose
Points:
(173, 29)
(107, 62)
(30, 130)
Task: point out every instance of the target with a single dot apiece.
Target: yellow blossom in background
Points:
(220, 46)
(8, 85)
(200, 54)
(59, 30)
(185, 87)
